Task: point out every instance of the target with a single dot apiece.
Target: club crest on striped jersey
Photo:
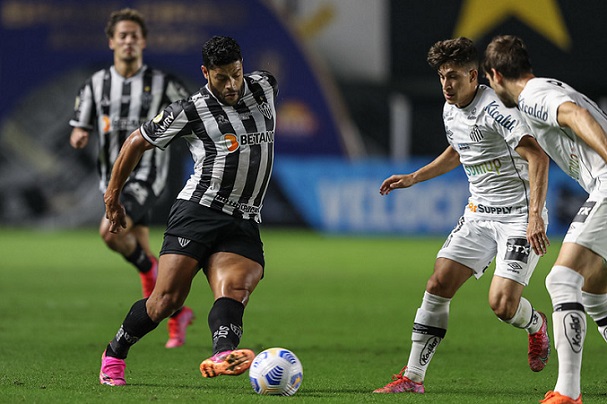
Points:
(265, 109)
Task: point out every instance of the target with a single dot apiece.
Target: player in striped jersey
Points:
(504, 220)
(573, 131)
(214, 223)
(114, 102)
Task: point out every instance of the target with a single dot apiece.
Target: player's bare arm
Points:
(447, 161)
(584, 125)
(130, 154)
(79, 138)
(539, 162)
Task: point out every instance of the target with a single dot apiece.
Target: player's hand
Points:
(114, 212)
(79, 138)
(536, 235)
(396, 181)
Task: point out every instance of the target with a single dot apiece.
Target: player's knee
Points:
(551, 281)
(503, 306)
(110, 239)
(564, 285)
(560, 277)
(439, 287)
(162, 305)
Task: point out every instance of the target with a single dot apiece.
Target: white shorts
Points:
(589, 227)
(475, 243)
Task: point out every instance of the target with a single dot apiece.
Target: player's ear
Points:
(205, 72)
(496, 76)
(473, 75)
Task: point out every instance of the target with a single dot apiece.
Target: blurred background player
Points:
(573, 131)
(114, 102)
(505, 218)
(214, 223)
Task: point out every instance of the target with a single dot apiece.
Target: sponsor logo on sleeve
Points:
(537, 111)
(163, 122)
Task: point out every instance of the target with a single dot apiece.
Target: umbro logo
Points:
(183, 241)
(514, 267)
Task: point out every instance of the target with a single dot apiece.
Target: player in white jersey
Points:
(114, 102)
(505, 218)
(573, 131)
(229, 126)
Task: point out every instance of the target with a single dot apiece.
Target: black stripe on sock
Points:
(426, 329)
(569, 307)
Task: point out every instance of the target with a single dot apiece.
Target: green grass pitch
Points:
(344, 305)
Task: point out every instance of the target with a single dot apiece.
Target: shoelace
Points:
(398, 377)
(400, 374)
(536, 343)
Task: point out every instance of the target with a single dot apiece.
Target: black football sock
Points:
(140, 259)
(136, 324)
(225, 323)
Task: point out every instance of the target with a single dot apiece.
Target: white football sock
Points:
(526, 317)
(569, 325)
(596, 307)
(429, 329)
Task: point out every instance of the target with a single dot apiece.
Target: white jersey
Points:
(539, 102)
(485, 134)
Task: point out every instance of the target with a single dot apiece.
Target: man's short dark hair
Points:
(219, 51)
(126, 14)
(508, 55)
(458, 51)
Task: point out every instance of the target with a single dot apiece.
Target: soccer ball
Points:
(276, 371)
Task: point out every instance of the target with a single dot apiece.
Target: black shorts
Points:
(197, 231)
(138, 199)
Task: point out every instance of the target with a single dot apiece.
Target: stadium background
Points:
(357, 100)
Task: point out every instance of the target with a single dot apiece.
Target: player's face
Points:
(226, 82)
(458, 84)
(128, 42)
(505, 97)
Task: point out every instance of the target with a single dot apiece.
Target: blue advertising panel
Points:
(337, 196)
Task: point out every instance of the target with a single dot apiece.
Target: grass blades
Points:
(344, 305)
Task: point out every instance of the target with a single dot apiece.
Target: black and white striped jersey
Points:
(115, 106)
(232, 146)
